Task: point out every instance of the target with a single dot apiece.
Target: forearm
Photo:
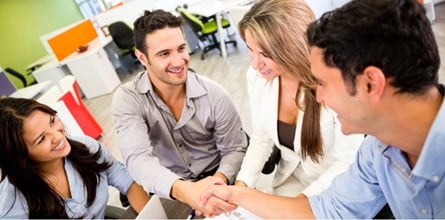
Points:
(269, 206)
(137, 197)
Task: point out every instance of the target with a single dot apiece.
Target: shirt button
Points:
(180, 145)
(190, 164)
(424, 211)
(435, 179)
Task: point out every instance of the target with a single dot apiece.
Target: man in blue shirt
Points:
(376, 64)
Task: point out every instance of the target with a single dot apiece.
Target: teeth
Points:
(59, 146)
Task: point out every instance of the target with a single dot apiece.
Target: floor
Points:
(230, 73)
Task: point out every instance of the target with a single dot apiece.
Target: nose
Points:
(179, 59)
(257, 63)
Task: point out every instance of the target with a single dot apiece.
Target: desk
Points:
(40, 62)
(31, 92)
(92, 69)
(209, 8)
(173, 208)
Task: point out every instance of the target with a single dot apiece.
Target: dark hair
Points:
(150, 22)
(22, 171)
(393, 35)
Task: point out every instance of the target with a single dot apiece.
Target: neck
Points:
(409, 128)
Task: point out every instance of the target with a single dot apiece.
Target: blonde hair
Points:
(279, 27)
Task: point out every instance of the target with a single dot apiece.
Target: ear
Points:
(375, 82)
(141, 57)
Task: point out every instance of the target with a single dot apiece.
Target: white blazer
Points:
(339, 150)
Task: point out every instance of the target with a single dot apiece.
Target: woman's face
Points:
(45, 137)
(261, 61)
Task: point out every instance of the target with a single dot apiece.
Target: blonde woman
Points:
(310, 147)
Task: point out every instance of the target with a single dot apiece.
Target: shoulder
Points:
(92, 144)
(12, 203)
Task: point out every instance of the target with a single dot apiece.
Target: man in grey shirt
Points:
(175, 127)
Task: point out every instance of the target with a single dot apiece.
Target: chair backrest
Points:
(122, 35)
(17, 75)
(6, 86)
(195, 23)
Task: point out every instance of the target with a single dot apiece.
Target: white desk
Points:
(92, 69)
(209, 8)
(32, 91)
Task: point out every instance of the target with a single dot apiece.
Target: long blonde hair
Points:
(279, 27)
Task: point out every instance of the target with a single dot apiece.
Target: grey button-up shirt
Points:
(158, 150)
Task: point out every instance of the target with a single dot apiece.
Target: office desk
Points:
(31, 92)
(92, 69)
(209, 8)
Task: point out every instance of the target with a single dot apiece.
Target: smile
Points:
(59, 147)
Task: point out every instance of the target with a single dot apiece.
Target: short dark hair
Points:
(393, 35)
(150, 22)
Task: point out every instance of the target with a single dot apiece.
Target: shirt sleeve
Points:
(231, 139)
(343, 155)
(117, 175)
(353, 194)
(136, 146)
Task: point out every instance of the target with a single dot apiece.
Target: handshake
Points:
(209, 197)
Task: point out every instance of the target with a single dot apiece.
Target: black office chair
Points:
(122, 36)
(205, 28)
(20, 76)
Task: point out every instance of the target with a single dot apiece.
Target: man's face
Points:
(168, 58)
(332, 91)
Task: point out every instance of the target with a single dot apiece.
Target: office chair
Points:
(20, 76)
(205, 29)
(122, 36)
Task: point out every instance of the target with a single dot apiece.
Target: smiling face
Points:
(44, 137)
(166, 58)
(352, 110)
(261, 61)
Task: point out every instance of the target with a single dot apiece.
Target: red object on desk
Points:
(78, 109)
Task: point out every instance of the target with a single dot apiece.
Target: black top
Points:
(286, 134)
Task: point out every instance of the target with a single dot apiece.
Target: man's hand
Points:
(190, 193)
(219, 198)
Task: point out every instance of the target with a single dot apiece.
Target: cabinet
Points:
(94, 73)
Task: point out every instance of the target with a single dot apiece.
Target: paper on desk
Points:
(238, 213)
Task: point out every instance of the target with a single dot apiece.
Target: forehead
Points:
(251, 41)
(166, 38)
(34, 123)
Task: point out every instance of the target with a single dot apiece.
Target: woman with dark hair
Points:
(45, 174)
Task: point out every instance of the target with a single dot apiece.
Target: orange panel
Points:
(67, 42)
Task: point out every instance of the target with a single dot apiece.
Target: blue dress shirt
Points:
(381, 175)
(14, 205)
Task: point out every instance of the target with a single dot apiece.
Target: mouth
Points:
(176, 71)
(265, 72)
(60, 146)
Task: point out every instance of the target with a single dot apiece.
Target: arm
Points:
(137, 197)
(131, 125)
(231, 139)
(261, 144)
(342, 149)
(261, 204)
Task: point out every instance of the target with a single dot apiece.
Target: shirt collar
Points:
(430, 163)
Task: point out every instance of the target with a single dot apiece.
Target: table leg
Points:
(221, 35)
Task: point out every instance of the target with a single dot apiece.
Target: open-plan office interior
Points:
(36, 36)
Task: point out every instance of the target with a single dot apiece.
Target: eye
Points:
(182, 49)
(52, 119)
(41, 139)
(265, 55)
